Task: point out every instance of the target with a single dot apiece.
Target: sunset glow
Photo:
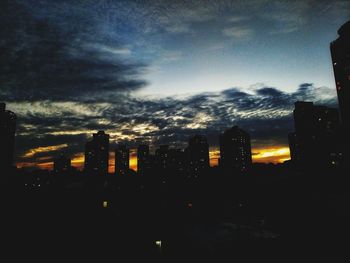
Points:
(37, 150)
(181, 129)
(262, 155)
(271, 155)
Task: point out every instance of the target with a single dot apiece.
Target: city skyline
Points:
(268, 156)
(165, 95)
(175, 131)
(318, 137)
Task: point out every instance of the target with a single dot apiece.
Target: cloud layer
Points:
(48, 59)
(265, 112)
(69, 68)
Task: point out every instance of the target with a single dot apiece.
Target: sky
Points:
(159, 72)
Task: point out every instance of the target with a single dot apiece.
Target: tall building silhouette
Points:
(162, 157)
(340, 51)
(143, 159)
(315, 142)
(62, 164)
(197, 155)
(294, 147)
(178, 160)
(7, 136)
(97, 154)
(122, 160)
(235, 150)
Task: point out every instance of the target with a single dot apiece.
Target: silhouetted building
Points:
(235, 150)
(121, 160)
(97, 154)
(162, 157)
(62, 165)
(143, 159)
(340, 50)
(7, 136)
(197, 155)
(178, 160)
(294, 147)
(316, 138)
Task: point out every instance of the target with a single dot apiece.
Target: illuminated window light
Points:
(159, 243)
(105, 204)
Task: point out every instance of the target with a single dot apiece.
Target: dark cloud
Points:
(305, 86)
(269, 92)
(44, 58)
(66, 71)
(266, 113)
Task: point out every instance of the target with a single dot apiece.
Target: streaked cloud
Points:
(273, 155)
(265, 112)
(288, 16)
(45, 149)
(109, 50)
(235, 19)
(44, 59)
(71, 68)
(238, 32)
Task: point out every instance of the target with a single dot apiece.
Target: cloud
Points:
(42, 58)
(109, 50)
(287, 16)
(168, 56)
(235, 19)
(179, 16)
(69, 68)
(265, 112)
(339, 9)
(238, 32)
(35, 151)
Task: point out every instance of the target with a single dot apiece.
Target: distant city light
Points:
(159, 243)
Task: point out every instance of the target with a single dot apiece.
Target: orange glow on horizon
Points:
(111, 162)
(276, 154)
(78, 161)
(43, 166)
(271, 154)
(133, 159)
(214, 155)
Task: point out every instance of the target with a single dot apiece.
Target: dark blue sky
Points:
(160, 71)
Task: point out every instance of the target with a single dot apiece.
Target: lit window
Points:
(105, 204)
(159, 243)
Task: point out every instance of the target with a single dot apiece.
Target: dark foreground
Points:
(256, 219)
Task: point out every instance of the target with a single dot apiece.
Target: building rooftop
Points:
(344, 29)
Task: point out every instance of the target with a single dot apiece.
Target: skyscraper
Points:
(143, 159)
(235, 150)
(294, 147)
(121, 160)
(197, 155)
(162, 157)
(62, 164)
(178, 161)
(340, 51)
(315, 141)
(7, 136)
(97, 153)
